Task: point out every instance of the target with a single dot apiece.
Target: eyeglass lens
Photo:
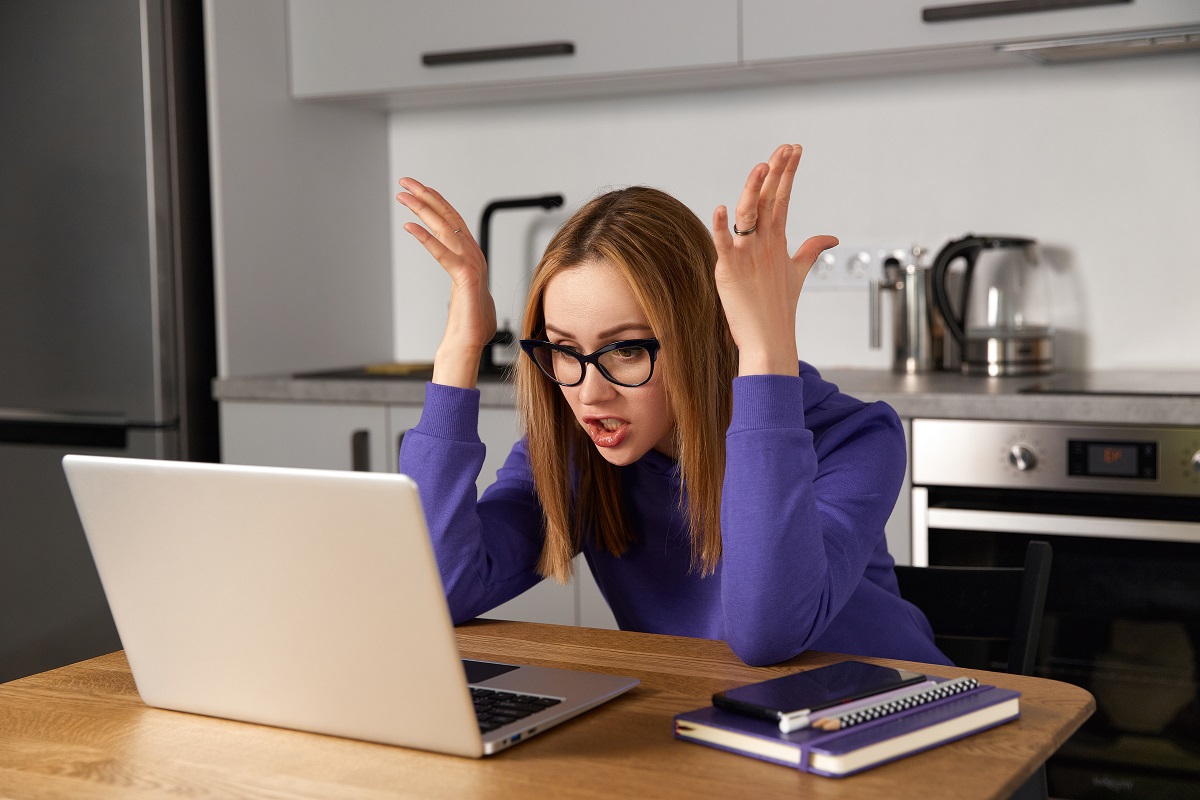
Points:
(625, 365)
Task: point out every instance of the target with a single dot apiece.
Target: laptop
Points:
(304, 599)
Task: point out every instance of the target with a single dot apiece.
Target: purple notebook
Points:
(851, 750)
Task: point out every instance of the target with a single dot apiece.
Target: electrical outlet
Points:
(851, 267)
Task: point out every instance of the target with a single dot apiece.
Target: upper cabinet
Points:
(393, 54)
(782, 30)
(464, 50)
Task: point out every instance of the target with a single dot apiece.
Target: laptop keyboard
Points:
(495, 708)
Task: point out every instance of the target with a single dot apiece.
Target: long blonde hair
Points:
(666, 254)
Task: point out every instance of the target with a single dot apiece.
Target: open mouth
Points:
(606, 431)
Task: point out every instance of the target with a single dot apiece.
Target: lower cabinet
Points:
(309, 435)
(367, 437)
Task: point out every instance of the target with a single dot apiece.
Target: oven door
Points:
(1122, 620)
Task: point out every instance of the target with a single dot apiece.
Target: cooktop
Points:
(1178, 384)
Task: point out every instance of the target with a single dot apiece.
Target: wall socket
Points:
(851, 267)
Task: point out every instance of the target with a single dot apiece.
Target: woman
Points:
(714, 489)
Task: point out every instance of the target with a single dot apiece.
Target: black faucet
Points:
(487, 363)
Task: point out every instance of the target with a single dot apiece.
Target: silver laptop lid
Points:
(298, 598)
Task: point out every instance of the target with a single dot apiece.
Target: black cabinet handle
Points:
(1000, 8)
(360, 451)
(447, 57)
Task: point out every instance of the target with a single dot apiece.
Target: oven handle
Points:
(1009, 522)
(1152, 530)
(924, 518)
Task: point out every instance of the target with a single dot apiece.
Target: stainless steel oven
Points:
(1121, 507)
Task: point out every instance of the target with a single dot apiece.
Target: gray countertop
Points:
(936, 395)
(494, 392)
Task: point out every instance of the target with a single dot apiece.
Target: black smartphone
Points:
(813, 690)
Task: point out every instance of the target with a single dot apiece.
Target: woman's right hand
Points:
(472, 319)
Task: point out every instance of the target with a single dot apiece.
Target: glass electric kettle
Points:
(994, 300)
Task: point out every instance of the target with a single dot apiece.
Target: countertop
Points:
(935, 395)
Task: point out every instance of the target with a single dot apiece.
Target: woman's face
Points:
(587, 307)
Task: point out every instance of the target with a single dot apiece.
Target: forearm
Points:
(455, 365)
(800, 519)
(486, 550)
(777, 358)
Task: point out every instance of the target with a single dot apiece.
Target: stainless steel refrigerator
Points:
(107, 341)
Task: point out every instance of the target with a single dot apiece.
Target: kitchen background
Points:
(1099, 161)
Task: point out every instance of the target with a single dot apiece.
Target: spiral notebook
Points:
(857, 748)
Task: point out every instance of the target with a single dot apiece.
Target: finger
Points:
(722, 238)
(767, 199)
(434, 222)
(441, 218)
(784, 193)
(412, 200)
(747, 207)
(457, 224)
(432, 245)
(810, 251)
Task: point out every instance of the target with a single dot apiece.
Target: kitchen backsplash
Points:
(1100, 162)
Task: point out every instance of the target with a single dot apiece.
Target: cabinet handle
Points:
(446, 57)
(1000, 8)
(360, 451)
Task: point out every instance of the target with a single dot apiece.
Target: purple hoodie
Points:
(811, 477)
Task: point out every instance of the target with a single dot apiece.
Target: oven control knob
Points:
(1021, 457)
(1196, 462)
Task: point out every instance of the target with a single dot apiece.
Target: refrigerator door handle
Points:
(23, 426)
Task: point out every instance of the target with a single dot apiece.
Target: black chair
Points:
(986, 618)
(976, 611)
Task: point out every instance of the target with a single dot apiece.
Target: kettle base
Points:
(1023, 353)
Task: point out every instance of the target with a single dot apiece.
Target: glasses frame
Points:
(651, 346)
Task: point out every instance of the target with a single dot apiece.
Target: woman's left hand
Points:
(758, 281)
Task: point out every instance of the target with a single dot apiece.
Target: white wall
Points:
(1102, 160)
(299, 221)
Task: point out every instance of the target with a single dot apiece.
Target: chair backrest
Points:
(974, 609)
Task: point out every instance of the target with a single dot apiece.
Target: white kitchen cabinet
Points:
(783, 30)
(379, 53)
(309, 435)
(385, 48)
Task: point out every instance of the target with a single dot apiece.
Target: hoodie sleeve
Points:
(803, 509)
(487, 549)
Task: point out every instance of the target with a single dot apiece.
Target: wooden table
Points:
(82, 732)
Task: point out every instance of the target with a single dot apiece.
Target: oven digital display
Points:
(1113, 459)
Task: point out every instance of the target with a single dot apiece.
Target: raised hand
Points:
(758, 281)
(471, 322)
